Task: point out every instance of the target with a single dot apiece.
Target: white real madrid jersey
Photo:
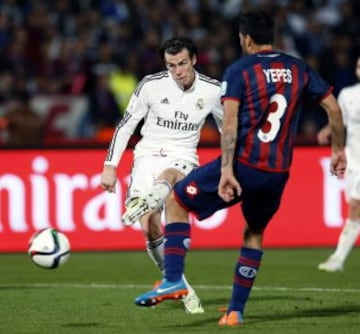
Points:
(350, 105)
(172, 117)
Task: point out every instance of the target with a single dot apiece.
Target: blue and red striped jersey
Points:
(270, 87)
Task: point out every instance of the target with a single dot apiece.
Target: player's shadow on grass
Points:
(296, 312)
(314, 312)
(83, 324)
(225, 301)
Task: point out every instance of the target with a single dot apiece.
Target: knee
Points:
(253, 238)
(174, 211)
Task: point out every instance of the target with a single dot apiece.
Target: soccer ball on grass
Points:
(49, 248)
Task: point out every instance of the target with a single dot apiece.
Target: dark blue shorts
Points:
(259, 200)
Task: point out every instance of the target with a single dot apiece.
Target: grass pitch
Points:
(94, 293)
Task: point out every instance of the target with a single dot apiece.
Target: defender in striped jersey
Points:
(261, 93)
(174, 105)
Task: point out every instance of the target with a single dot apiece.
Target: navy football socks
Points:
(177, 243)
(245, 273)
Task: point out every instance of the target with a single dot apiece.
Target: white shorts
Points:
(146, 169)
(352, 184)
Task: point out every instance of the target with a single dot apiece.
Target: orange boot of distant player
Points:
(233, 318)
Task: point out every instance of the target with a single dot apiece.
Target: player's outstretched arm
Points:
(229, 187)
(337, 133)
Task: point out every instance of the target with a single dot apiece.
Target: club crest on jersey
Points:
(199, 104)
(192, 190)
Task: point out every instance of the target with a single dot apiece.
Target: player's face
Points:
(181, 67)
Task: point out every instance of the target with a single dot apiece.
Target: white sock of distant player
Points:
(160, 190)
(155, 250)
(347, 239)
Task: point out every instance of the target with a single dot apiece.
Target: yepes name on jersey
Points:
(278, 74)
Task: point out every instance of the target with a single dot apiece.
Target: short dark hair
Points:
(258, 25)
(177, 44)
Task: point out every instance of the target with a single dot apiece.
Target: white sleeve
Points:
(135, 112)
(218, 113)
(342, 104)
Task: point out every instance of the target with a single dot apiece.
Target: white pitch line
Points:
(140, 286)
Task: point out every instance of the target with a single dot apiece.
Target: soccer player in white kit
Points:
(174, 105)
(350, 105)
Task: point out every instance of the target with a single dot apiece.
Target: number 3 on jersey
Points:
(274, 118)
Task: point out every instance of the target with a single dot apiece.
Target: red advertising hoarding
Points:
(60, 189)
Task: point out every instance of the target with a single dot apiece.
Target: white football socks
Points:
(155, 249)
(347, 239)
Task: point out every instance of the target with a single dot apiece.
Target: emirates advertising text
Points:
(61, 189)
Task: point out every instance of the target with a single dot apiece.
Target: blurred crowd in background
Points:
(96, 51)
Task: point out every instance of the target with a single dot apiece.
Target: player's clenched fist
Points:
(108, 178)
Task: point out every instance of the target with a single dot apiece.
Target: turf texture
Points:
(94, 293)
